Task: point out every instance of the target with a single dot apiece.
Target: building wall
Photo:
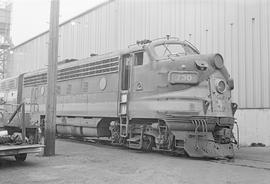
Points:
(238, 29)
(254, 126)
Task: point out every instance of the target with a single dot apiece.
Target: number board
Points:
(183, 77)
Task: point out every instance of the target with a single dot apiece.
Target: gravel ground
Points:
(78, 162)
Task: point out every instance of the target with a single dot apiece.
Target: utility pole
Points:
(51, 78)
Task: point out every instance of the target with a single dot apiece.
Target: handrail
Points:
(14, 113)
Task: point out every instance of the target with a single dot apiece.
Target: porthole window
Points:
(102, 83)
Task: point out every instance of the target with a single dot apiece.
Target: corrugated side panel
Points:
(238, 29)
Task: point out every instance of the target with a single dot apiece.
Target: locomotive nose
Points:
(217, 62)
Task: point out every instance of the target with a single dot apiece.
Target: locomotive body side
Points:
(87, 91)
(143, 99)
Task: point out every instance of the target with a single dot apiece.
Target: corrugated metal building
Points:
(238, 29)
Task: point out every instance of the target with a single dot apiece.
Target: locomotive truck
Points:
(156, 95)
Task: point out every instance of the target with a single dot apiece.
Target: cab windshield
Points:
(173, 49)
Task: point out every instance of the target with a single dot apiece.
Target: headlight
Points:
(218, 60)
(221, 86)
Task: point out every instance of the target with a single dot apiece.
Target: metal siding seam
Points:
(245, 55)
(107, 28)
(86, 49)
(38, 47)
(64, 36)
(145, 17)
(258, 63)
(250, 71)
(72, 41)
(102, 30)
(218, 27)
(98, 38)
(59, 44)
(147, 22)
(123, 9)
(268, 46)
(195, 22)
(116, 26)
(95, 32)
(80, 34)
(212, 26)
(91, 33)
(128, 27)
(71, 38)
(147, 31)
(200, 28)
(83, 37)
(109, 15)
(231, 53)
(131, 28)
(176, 20)
(238, 55)
(253, 61)
(185, 17)
(206, 11)
(224, 22)
(79, 40)
(261, 58)
(265, 54)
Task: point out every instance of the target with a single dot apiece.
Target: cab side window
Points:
(125, 72)
(138, 59)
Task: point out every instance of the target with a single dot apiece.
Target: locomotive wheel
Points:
(148, 143)
(21, 157)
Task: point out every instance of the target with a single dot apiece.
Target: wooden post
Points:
(51, 78)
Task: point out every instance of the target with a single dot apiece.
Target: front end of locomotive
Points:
(196, 104)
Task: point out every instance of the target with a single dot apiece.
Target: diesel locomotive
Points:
(156, 95)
